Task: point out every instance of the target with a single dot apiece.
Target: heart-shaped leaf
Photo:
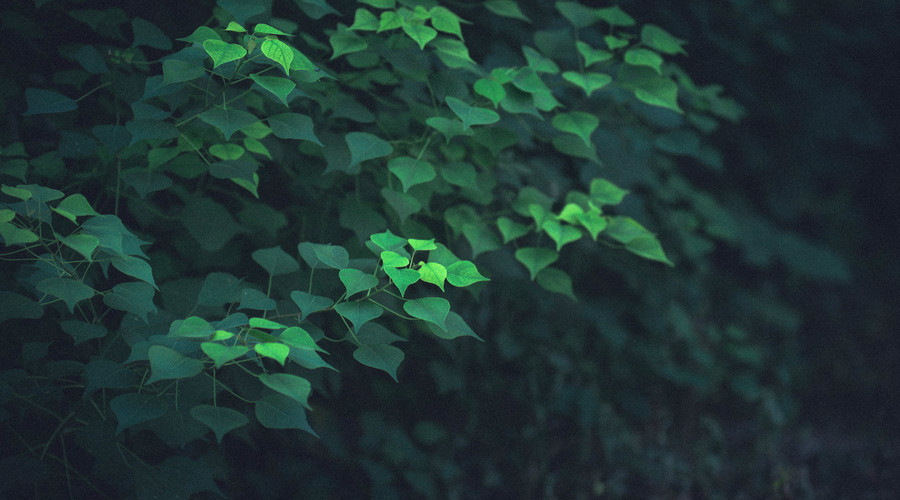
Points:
(166, 363)
(356, 281)
(577, 122)
(536, 258)
(358, 313)
(411, 171)
(431, 309)
(471, 115)
(381, 356)
(220, 420)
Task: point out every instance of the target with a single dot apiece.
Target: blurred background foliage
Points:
(763, 365)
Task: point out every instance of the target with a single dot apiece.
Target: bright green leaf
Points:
(560, 233)
(226, 151)
(279, 52)
(463, 273)
(402, 278)
(223, 52)
(511, 230)
(388, 241)
(393, 259)
(592, 55)
(604, 192)
(222, 354)
(420, 33)
(490, 88)
(589, 82)
(648, 247)
(637, 56)
(422, 245)
(363, 20)
(273, 350)
(265, 29)
(13, 235)
(265, 324)
(432, 272)
(614, 16)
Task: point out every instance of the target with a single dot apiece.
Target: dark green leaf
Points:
(102, 373)
(292, 386)
(135, 297)
(357, 281)
(411, 171)
(358, 313)
(381, 356)
(430, 309)
(275, 261)
(42, 101)
(148, 34)
(309, 304)
(277, 411)
(364, 146)
(134, 408)
(536, 258)
(220, 420)
(471, 115)
(455, 327)
(506, 8)
(557, 281)
(135, 267)
(278, 86)
(71, 291)
(166, 363)
(254, 299)
(227, 120)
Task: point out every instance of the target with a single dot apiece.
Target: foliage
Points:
(236, 226)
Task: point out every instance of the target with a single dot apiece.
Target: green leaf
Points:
(356, 281)
(134, 408)
(560, 233)
(511, 230)
(604, 192)
(589, 82)
(454, 54)
(277, 411)
(299, 338)
(166, 364)
(254, 299)
(593, 221)
(455, 327)
(42, 101)
(223, 52)
(135, 267)
(278, 86)
(343, 41)
(539, 62)
(265, 324)
(273, 350)
(434, 273)
(309, 304)
(460, 174)
(227, 120)
(388, 241)
(464, 273)
(71, 291)
(135, 297)
(148, 34)
(358, 313)
(420, 33)
(450, 128)
(279, 52)
(657, 38)
(592, 55)
(222, 354)
(235, 27)
(490, 88)
(292, 386)
(275, 261)
(422, 245)
(536, 258)
(614, 16)
(579, 15)
(393, 259)
(82, 331)
(102, 373)
(254, 146)
(650, 87)
(480, 237)
(624, 229)
(637, 56)
(614, 42)
(506, 8)
(177, 71)
(91, 60)
(220, 420)
(433, 310)
(556, 281)
(471, 115)
(333, 256)
(381, 356)
(210, 223)
(364, 146)
(226, 151)
(200, 35)
(577, 122)
(411, 171)
(402, 278)
(265, 29)
(219, 289)
(364, 20)
(445, 20)
(648, 247)
(13, 235)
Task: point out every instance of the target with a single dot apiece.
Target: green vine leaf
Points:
(222, 354)
(192, 327)
(365, 146)
(293, 126)
(589, 82)
(279, 52)
(659, 39)
(166, 364)
(135, 408)
(265, 29)
(273, 350)
(277, 86)
(560, 233)
(556, 281)
(384, 357)
(577, 122)
(411, 171)
(356, 281)
(277, 411)
(463, 273)
(358, 313)
(292, 386)
(536, 258)
(471, 115)
(455, 327)
(135, 297)
(275, 261)
(309, 303)
(71, 291)
(434, 273)
(420, 33)
(223, 52)
(433, 310)
(220, 420)
(227, 120)
(506, 8)
(402, 278)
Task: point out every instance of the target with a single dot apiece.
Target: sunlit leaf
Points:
(279, 52)
(659, 39)
(223, 52)
(432, 272)
(273, 350)
(222, 354)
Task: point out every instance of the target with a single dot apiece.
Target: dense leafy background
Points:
(762, 365)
